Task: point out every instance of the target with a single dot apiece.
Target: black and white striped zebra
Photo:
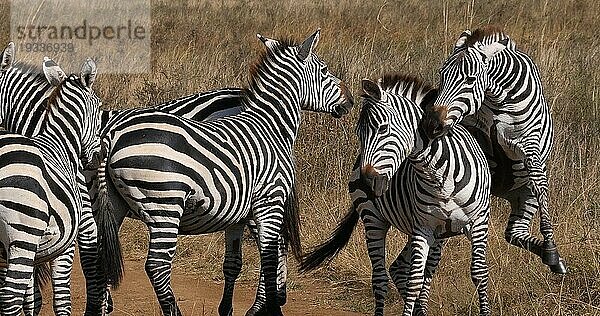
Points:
(22, 108)
(495, 89)
(199, 107)
(25, 117)
(207, 106)
(40, 200)
(430, 190)
(215, 175)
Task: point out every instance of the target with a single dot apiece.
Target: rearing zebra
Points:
(430, 190)
(23, 105)
(213, 176)
(40, 200)
(495, 89)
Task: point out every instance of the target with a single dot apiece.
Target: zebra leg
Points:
(32, 304)
(375, 234)
(538, 180)
(61, 281)
(400, 268)
(232, 265)
(259, 302)
(524, 205)
(161, 249)
(87, 242)
(420, 244)
(19, 273)
(478, 234)
(539, 183)
(269, 219)
(433, 260)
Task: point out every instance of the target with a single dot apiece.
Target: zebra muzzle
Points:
(348, 103)
(376, 181)
(433, 121)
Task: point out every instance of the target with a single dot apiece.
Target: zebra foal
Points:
(216, 175)
(430, 190)
(39, 197)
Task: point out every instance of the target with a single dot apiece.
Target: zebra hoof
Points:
(560, 267)
(263, 311)
(253, 311)
(225, 310)
(282, 297)
(550, 255)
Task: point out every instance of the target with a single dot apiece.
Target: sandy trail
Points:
(195, 296)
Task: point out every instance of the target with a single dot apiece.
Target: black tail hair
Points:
(110, 260)
(326, 251)
(291, 223)
(42, 274)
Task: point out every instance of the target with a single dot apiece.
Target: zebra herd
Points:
(223, 160)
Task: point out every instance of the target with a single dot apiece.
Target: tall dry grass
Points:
(209, 44)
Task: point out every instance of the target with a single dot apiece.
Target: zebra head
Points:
(79, 104)
(387, 129)
(464, 80)
(319, 90)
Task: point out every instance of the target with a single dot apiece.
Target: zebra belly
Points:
(208, 214)
(200, 210)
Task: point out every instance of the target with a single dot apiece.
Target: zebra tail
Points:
(326, 251)
(291, 224)
(110, 255)
(42, 274)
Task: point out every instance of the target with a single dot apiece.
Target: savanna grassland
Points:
(204, 45)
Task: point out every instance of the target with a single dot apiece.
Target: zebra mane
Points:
(487, 34)
(55, 94)
(406, 85)
(30, 69)
(260, 65)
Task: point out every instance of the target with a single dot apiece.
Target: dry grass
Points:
(207, 45)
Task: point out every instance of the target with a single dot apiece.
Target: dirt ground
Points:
(195, 296)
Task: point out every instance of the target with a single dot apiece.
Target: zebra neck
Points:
(421, 154)
(277, 111)
(502, 83)
(60, 136)
(23, 109)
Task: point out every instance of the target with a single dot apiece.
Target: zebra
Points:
(26, 119)
(215, 175)
(39, 196)
(206, 106)
(23, 103)
(495, 89)
(430, 190)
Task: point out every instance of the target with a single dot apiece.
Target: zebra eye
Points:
(324, 71)
(383, 129)
(470, 80)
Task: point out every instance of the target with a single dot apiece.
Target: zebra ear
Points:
(52, 71)
(88, 73)
(269, 42)
(492, 49)
(8, 57)
(371, 88)
(462, 39)
(309, 45)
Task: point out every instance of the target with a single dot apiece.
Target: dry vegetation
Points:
(207, 45)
